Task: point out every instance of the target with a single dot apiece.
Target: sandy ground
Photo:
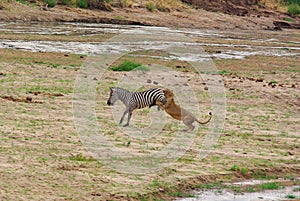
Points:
(42, 157)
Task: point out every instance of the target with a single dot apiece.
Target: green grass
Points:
(290, 196)
(80, 157)
(269, 186)
(239, 169)
(293, 1)
(294, 9)
(22, 1)
(288, 19)
(51, 3)
(224, 72)
(128, 66)
(150, 6)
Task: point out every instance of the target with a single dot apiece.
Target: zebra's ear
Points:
(111, 88)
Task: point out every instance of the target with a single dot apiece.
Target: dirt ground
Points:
(42, 157)
(183, 16)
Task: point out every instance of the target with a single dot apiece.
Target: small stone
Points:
(148, 81)
(206, 88)
(154, 82)
(28, 98)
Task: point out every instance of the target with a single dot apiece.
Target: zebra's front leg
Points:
(129, 117)
(122, 118)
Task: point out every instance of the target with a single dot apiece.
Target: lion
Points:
(179, 113)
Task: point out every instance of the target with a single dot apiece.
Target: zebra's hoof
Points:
(126, 125)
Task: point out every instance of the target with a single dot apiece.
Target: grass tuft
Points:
(270, 186)
(294, 9)
(51, 3)
(128, 66)
(150, 6)
(80, 157)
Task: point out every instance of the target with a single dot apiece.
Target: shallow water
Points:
(270, 195)
(227, 195)
(91, 48)
(218, 194)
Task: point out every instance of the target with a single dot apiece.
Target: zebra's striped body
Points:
(135, 100)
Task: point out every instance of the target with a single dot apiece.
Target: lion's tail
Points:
(205, 122)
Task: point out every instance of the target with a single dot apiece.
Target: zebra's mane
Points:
(119, 89)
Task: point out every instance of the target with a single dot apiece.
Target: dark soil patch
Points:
(27, 99)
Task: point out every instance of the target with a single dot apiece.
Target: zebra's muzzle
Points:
(109, 103)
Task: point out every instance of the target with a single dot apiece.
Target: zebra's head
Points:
(113, 96)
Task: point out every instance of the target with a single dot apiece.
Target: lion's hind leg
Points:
(188, 121)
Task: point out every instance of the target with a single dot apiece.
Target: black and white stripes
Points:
(135, 100)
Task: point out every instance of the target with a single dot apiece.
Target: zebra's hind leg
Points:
(129, 117)
(122, 118)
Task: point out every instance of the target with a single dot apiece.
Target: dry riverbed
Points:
(42, 155)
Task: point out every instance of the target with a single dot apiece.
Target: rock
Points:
(205, 88)
(148, 81)
(28, 99)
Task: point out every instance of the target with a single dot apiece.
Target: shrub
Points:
(82, 3)
(293, 2)
(51, 3)
(128, 66)
(294, 9)
(150, 6)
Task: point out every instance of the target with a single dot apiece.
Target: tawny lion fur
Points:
(179, 113)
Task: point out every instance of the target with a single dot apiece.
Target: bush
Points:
(150, 6)
(292, 2)
(128, 66)
(294, 9)
(51, 3)
(82, 3)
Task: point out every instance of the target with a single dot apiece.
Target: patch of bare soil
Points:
(235, 7)
(27, 99)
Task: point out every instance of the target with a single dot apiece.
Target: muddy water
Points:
(283, 193)
(274, 48)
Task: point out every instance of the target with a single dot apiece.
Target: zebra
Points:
(135, 100)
